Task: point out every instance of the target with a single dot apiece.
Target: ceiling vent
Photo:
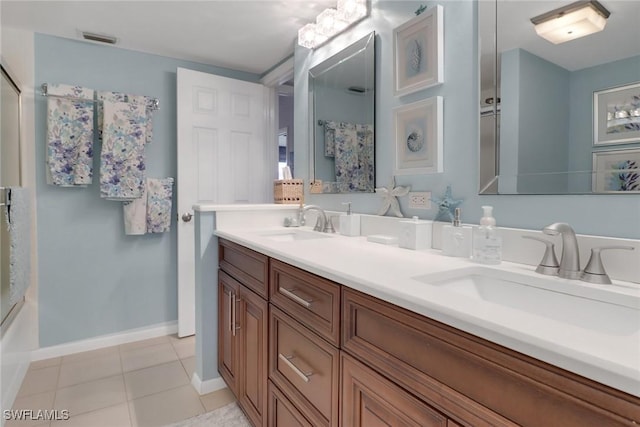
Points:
(100, 38)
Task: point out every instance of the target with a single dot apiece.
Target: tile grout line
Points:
(122, 373)
(124, 382)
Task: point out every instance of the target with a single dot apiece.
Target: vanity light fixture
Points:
(331, 22)
(572, 21)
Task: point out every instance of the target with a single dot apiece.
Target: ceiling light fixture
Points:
(332, 22)
(572, 21)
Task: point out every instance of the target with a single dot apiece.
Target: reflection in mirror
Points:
(342, 94)
(283, 150)
(538, 103)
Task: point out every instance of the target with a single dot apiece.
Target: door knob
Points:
(186, 217)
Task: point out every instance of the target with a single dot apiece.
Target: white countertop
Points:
(389, 272)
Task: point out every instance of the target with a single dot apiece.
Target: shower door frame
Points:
(12, 312)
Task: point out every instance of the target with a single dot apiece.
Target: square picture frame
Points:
(418, 52)
(419, 140)
(616, 171)
(616, 115)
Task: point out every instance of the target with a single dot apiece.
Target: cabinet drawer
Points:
(304, 366)
(283, 413)
(248, 267)
(369, 400)
(423, 355)
(312, 300)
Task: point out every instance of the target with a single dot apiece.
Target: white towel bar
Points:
(155, 102)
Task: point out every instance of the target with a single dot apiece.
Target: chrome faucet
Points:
(570, 259)
(321, 224)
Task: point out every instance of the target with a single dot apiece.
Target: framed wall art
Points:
(616, 115)
(418, 52)
(418, 132)
(616, 171)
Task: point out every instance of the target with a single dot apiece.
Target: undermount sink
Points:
(596, 310)
(293, 235)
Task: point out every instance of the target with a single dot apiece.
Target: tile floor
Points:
(140, 384)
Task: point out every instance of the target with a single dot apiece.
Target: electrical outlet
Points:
(420, 200)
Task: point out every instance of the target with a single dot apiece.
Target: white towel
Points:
(18, 216)
(135, 216)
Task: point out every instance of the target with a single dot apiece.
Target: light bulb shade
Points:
(565, 26)
(307, 36)
(328, 23)
(352, 10)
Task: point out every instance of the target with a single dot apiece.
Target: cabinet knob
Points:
(186, 217)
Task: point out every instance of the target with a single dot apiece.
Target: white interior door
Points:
(221, 159)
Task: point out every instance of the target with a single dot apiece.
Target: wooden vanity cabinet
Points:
(370, 400)
(339, 357)
(474, 381)
(243, 316)
(304, 358)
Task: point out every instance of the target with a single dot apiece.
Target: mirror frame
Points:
(366, 42)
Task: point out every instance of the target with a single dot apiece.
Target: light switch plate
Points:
(420, 200)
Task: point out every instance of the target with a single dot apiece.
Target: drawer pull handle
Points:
(289, 293)
(233, 313)
(294, 368)
(231, 299)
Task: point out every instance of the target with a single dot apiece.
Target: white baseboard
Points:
(109, 340)
(208, 386)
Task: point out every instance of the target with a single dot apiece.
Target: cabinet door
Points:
(282, 412)
(228, 339)
(370, 400)
(252, 321)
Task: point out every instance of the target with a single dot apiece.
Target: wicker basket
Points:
(288, 191)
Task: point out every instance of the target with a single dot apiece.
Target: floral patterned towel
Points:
(123, 97)
(122, 162)
(159, 196)
(103, 96)
(152, 212)
(148, 106)
(329, 138)
(354, 158)
(69, 136)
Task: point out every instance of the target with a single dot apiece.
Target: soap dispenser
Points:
(456, 238)
(349, 224)
(487, 243)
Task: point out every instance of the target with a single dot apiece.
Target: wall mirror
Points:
(342, 128)
(558, 118)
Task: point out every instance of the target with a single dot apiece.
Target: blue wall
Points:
(534, 123)
(94, 280)
(617, 216)
(583, 84)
